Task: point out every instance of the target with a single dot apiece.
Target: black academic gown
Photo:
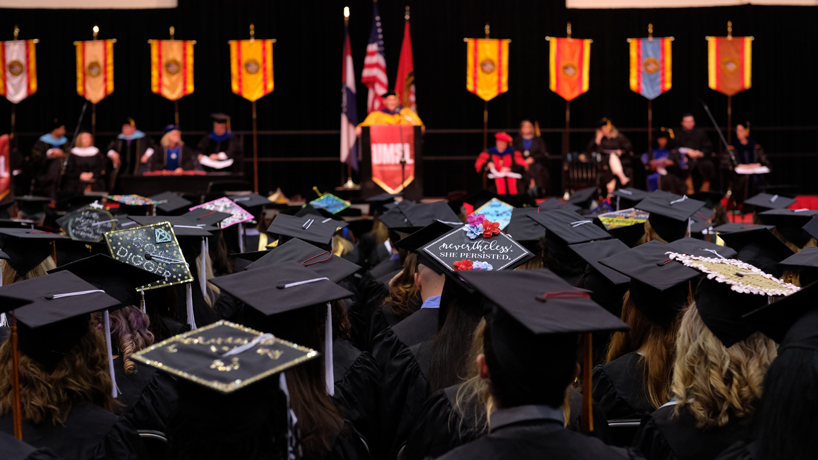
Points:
(605, 147)
(740, 451)
(89, 433)
(147, 396)
(384, 318)
(418, 327)
(13, 449)
(158, 160)
(232, 148)
(539, 169)
(44, 171)
(348, 445)
(386, 268)
(130, 153)
(663, 437)
(357, 389)
(702, 169)
(530, 432)
(369, 298)
(83, 160)
(618, 388)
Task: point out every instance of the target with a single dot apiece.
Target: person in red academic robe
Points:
(504, 164)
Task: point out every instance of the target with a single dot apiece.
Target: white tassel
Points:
(203, 268)
(142, 302)
(4, 322)
(107, 321)
(241, 237)
(189, 300)
(329, 372)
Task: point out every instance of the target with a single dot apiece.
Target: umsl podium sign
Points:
(381, 168)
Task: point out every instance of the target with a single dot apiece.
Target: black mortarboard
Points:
(379, 202)
(604, 121)
(659, 286)
(323, 263)
(699, 248)
(556, 203)
(118, 279)
(595, 251)
(626, 225)
(669, 214)
(568, 226)
(423, 214)
(542, 302)
(481, 197)
(32, 205)
(219, 117)
(310, 210)
(811, 227)
(129, 121)
(312, 229)
(524, 230)
(766, 201)
(181, 226)
(280, 288)
(583, 197)
(415, 241)
(170, 203)
(791, 321)
(395, 217)
(55, 123)
(709, 198)
(27, 248)
(250, 256)
(758, 247)
(737, 227)
(806, 261)
(790, 223)
(72, 201)
(628, 197)
(206, 216)
(251, 201)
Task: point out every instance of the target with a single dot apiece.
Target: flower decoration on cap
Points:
(463, 265)
(476, 219)
(484, 266)
(490, 228)
(475, 228)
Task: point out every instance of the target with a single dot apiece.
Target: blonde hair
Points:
(713, 381)
(10, 275)
(341, 245)
(165, 142)
(380, 231)
(790, 244)
(651, 235)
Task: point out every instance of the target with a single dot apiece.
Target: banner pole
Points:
(729, 118)
(255, 150)
(650, 124)
(176, 111)
(567, 133)
(13, 120)
(485, 125)
(93, 121)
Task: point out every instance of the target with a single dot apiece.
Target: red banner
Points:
(5, 167)
(389, 144)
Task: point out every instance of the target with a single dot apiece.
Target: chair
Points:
(156, 443)
(623, 432)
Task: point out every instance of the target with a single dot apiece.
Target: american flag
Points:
(374, 73)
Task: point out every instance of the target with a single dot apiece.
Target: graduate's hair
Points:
(403, 290)
(713, 382)
(220, 258)
(796, 249)
(79, 136)
(341, 245)
(81, 377)
(379, 231)
(651, 235)
(341, 327)
(164, 142)
(129, 332)
(159, 303)
(786, 421)
(657, 343)
(10, 275)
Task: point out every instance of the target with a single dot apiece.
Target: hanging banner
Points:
(95, 69)
(487, 67)
(389, 144)
(5, 167)
(650, 73)
(570, 61)
(172, 68)
(19, 77)
(251, 68)
(729, 63)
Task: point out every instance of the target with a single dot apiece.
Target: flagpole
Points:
(255, 150)
(729, 98)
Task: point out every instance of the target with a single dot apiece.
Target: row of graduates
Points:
(418, 360)
(55, 164)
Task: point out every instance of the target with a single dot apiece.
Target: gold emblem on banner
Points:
(251, 66)
(651, 65)
(487, 66)
(94, 69)
(173, 67)
(569, 69)
(16, 68)
(729, 64)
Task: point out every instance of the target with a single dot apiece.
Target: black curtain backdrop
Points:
(300, 120)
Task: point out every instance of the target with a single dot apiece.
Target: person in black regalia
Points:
(749, 155)
(14, 449)
(617, 153)
(220, 146)
(127, 150)
(536, 155)
(87, 167)
(43, 165)
(66, 389)
(717, 379)
(694, 143)
(528, 389)
(174, 155)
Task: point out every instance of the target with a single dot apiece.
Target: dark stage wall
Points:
(300, 119)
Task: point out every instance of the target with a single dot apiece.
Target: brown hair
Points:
(715, 382)
(318, 416)
(129, 331)
(656, 345)
(82, 376)
(10, 275)
(403, 289)
(790, 244)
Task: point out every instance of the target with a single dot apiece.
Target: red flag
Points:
(405, 83)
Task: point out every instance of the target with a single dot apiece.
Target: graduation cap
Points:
(118, 279)
(659, 286)
(806, 262)
(626, 225)
(423, 214)
(224, 356)
(323, 263)
(220, 118)
(226, 205)
(181, 226)
(699, 248)
(524, 230)
(568, 226)
(738, 227)
(791, 321)
(378, 202)
(32, 205)
(330, 203)
(312, 229)
(415, 241)
(205, 216)
(758, 247)
(583, 197)
(669, 214)
(395, 217)
(481, 197)
(790, 223)
(88, 224)
(556, 203)
(595, 251)
(170, 202)
(251, 201)
(496, 211)
(26, 248)
(73, 201)
(766, 201)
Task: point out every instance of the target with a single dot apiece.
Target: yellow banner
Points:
(251, 68)
(95, 69)
(172, 68)
(487, 67)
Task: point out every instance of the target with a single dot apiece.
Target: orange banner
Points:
(95, 69)
(251, 68)
(729, 64)
(570, 62)
(172, 68)
(487, 67)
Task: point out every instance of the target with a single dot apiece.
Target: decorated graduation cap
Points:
(765, 202)
(330, 203)
(415, 241)
(27, 248)
(225, 205)
(132, 204)
(322, 262)
(790, 223)
(251, 201)
(170, 203)
(791, 321)
(224, 356)
(806, 262)
(699, 248)
(312, 229)
(626, 225)
(628, 197)
(88, 224)
(496, 210)
(524, 230)
(758, 247)
(669, 214)
(182, 227)
(659, 286)
(730, 289)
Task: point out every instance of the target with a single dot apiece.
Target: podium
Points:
(387, 164)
